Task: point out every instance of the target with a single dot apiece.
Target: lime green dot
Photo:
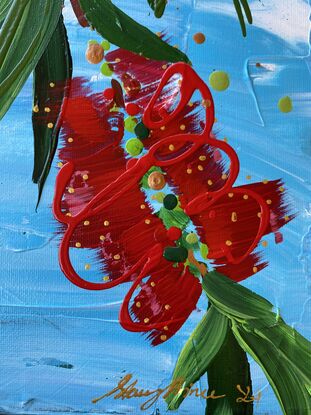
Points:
(105, 69)
(285, 104)
(219, 80)
(130, 123)
(204, 250)
(92, 42)
(114, 109)
(105, 45)
(159, 197)
(134, 147)
(191, 238)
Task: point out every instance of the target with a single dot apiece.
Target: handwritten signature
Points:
(127, 390)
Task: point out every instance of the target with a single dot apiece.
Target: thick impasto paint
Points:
(171, 153)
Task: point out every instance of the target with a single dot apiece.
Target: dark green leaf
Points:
(229, 369)
(117, 27)
(247, 11)
(158, 6)
(198, 353)
(55, 66)
(238, 9)
(24, 36)
(265, 335)
(4, 8)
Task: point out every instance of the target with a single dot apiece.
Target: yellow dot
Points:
(234, 217)
(286, 218)
(264, 244)
(143, 206)
(163, 337)
(106, 223)
(52, 84)
(59, 164)
(146, 320)
(226, 140)
(245, 197)
(210, 182)
(102, 237)
(190, 104)
(255, 269)
(164, 66)
(228, 243)
(159, 34)
(182, 127)
(269, 202)
(206, 103)
(35, 108)
(138, 305)
(87, 267)
(152, 284)
(68, 214)
(167, 306)
(47, 109)
(118, 60)
(50, 125)
(189, 171)
(147, 221)
(106, 278)
(70, 140)
(176, 46)
(86, 223)
(78, 245)
(265, 181)
(171, 147)
(165, 328)
(259, 214)
(230, 194)
(200, 168)
(202, 158)
(71, 190)
(248, 177)
(224, 176)
(163, 127)
(281, 189)
(116, 257)
(85, 177)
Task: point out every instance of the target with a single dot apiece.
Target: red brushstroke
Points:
(79, 13)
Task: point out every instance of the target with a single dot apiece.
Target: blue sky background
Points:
(46, 321)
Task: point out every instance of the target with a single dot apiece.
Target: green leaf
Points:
(24, 36)
(198, 353)
(4, 8)
(229, 369)
(158, 6)
(54, 66)
(117, 27)
(247, 11)
(176, 217)
(264, 334)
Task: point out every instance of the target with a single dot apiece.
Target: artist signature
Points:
(128, 389)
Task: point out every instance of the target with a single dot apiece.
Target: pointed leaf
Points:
(118, 28)
(158, 6)
(54, 68)
(24, 36)
(198, 353)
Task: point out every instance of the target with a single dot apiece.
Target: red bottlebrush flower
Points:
(99, 201)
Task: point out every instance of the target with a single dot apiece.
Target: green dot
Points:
(134, 147)
(191, 238)
(92, 42)
(175, 254)
(219, 80)
(105, 45)
(170, 202)
(285, 104)
(105, 69)
(159, 197)
(130, 123)
(141, 130)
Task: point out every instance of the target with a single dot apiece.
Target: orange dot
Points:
(230, 194)
(200, 168)
(86, 223)
(50, 125)
(106, 223)
(167, 306)
(78, 245)
(70, 140)
(269, 202)
(189, 171)
(102, 237)
(199, 38)
(245, 197)
(152, 284)
(259, 214)
(165, 328)
(206, 103)
(163, 337)
(228, 243)
(85, 177)
(138, 304)
(202, 158)
(224, 176)
(143, 206)
(146, 320)
(182, 127)
(209, 182)
(147, 221)
(255, 269)
(234, 217)
(71, 190)
(116, 257)
(264, 244)
(171, 147)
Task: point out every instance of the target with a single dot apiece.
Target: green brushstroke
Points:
(158, 7)
(24, 36)
(118, 28)
(54, 66)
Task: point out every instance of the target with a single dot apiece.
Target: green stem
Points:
(229, 369)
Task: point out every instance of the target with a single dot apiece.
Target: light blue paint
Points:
(46, 320)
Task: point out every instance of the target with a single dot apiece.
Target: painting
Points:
(155, 227)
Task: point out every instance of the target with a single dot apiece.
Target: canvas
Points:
(155, 231)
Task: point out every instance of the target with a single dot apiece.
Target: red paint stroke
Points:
(109, 213)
